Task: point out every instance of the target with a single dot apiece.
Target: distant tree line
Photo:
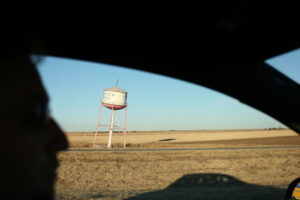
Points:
(275, 128)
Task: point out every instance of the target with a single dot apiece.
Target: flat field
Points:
(189, 174)
(187, 138)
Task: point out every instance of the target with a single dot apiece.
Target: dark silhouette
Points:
(30, 138)
(213, 186)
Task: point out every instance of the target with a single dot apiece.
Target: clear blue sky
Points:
(155, 102)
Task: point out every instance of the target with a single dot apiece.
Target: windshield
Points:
(164, 139)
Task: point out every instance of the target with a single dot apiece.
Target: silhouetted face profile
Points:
(30, 139)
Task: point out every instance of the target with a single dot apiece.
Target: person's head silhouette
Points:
(30, 139)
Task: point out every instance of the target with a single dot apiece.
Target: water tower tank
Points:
(114, 98)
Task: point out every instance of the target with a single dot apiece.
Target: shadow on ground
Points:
(165, 140)
(213, 186)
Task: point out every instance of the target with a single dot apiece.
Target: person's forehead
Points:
(22, 85)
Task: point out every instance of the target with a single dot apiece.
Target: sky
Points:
(155, 102)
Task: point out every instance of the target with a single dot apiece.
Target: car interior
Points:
(224, 50)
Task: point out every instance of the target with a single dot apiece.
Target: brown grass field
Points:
(185, 138)
(209, 174)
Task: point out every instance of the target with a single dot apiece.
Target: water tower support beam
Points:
(98, 125)
(111, 127)
(125, 128)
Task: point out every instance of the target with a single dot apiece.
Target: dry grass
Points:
(117, 175)
(178, 138)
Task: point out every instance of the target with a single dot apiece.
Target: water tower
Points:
(114, 99)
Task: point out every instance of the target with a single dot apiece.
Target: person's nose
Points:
(59, 141)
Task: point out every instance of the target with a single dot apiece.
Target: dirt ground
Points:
(210, 174)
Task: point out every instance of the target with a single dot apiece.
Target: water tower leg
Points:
(98, 125)
(124, 139)
(109, 139)
(95, 136)
(125, 127)
(111, 128)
